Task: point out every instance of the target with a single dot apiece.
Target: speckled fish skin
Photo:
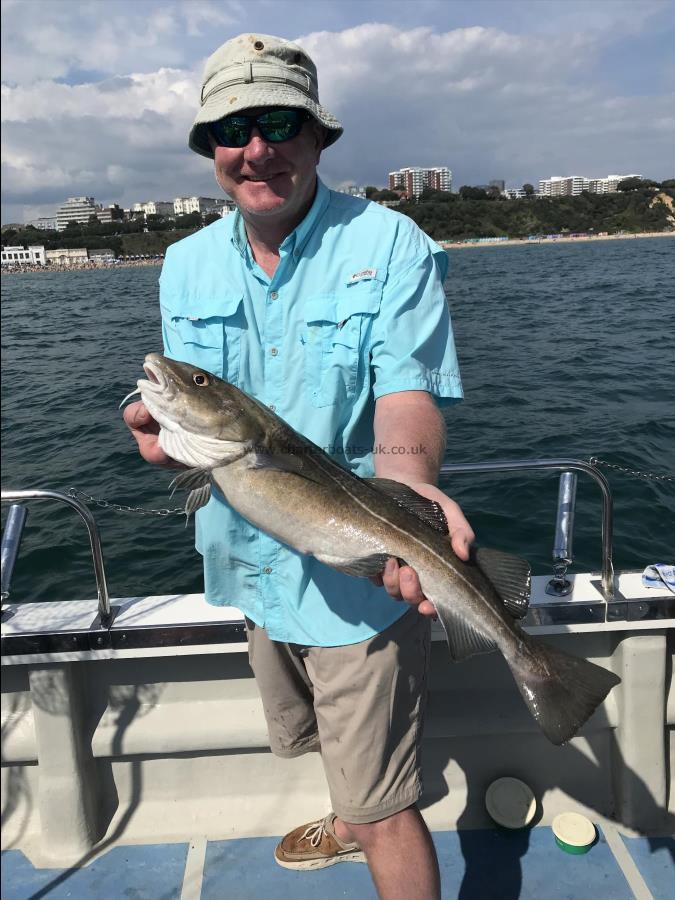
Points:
(288, 487)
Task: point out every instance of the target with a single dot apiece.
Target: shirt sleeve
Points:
(413, 347)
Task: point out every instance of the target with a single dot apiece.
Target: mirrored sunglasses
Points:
(274, 125)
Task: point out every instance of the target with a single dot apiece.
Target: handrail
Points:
(561, 465)
(11, 541)
(104, 610)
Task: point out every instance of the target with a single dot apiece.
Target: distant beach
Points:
(85, 267)
(567, 239)
(447, 245)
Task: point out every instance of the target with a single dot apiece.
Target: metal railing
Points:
(562, 465)
(559, 465)
(104, 609)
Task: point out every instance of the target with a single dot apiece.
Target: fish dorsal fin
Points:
(509, 575)
(427, 510)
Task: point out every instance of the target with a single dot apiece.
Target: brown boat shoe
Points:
(315, 846)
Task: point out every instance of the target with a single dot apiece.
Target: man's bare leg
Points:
(400, 853)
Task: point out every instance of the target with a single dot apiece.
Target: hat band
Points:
(247, 73)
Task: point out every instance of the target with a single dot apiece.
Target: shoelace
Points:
(315, 832)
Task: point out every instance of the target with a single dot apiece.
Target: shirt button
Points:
(267, 570)
(274, 351)
(274, 295)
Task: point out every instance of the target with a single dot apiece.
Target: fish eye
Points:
(200, 379)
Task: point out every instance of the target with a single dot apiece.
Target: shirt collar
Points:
(297, 239)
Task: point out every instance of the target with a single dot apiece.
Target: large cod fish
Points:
(288, 487)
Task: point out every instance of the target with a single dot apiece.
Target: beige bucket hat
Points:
(254, 70)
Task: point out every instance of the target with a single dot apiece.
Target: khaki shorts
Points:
(360, 705)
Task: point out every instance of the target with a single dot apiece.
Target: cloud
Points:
(487, 102)
(484, 102)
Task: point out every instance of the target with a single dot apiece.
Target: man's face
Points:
(268, 180)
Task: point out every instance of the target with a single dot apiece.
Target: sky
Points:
(98, 96)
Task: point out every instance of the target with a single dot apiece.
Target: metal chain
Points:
(594, 461)
(120, 507)
(179, 510)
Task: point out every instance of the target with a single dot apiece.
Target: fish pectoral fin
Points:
(509, 575)
(427, 510)
(363, 567)
(197, 498)
(463, 640)
(190, 479)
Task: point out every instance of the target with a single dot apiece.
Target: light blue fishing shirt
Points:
(355, 310)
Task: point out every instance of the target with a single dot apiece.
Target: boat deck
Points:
(479, 864)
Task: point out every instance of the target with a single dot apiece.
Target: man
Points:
(329, 309)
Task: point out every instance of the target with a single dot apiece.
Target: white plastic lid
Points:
(510, 802)
(573, 829)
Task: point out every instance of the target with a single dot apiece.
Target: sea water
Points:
(565, 350)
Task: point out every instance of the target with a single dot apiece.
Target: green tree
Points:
(189, 220)
(384, 195)
(629, 184)
(466, 192)
(528, 189)
(210, 218)
(370, 190)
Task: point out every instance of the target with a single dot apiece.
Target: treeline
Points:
(124, 237)
(471, 213)
(456, 217)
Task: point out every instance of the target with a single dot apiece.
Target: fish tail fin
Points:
(561, 691)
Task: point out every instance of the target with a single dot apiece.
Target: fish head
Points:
(204, 421)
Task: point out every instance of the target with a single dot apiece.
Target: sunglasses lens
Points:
(234, 131)
(280, 124)
(275, 126)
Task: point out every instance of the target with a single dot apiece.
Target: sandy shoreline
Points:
(520, 242)
(447, 245)
(84, 267)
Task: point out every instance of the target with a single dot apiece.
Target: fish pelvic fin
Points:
(561, 691)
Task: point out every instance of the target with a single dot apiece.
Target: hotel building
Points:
(413, 180)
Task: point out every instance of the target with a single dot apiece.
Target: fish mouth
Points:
(157, 383)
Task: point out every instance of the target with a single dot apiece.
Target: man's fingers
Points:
(136, 416)
(402, 583)
(461, 542)
(390, 578)
(409, 586)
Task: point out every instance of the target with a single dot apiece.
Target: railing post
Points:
(563, 465)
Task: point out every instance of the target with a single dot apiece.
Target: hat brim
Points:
(251, 96)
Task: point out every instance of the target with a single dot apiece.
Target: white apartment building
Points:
(573, 185)
(514, 193)
(608, 185)
(155, 208)
(563, 186)
(75, 209)
(67, 257)
(184, 205)
(414, 179)
(354, 191)
(33, 255)
(44, 223)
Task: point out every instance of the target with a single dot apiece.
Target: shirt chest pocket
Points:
(212, 341)
(336, 341)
